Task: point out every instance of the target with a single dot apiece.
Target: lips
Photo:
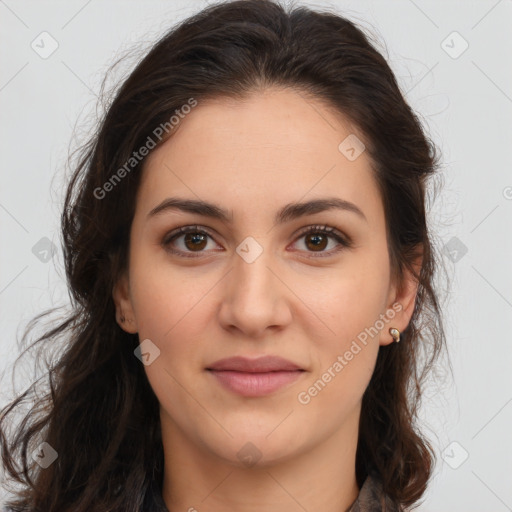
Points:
(262, 364)
(255, 377)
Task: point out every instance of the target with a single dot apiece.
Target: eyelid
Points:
(325, 229)
(192, 228)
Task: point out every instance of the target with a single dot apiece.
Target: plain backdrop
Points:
(452, 60)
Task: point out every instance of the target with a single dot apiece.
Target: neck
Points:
(321, 477)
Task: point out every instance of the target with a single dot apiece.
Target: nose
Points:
(255, 297)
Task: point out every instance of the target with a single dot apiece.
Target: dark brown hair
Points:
(99, 412)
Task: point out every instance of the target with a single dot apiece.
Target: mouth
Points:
(252, 384)
(261, 364)
(255, 377)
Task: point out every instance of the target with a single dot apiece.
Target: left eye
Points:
(196, 239)
(317, 237)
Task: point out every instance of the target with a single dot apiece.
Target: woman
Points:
(246, 244)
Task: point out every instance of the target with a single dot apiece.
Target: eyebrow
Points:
(289, 212)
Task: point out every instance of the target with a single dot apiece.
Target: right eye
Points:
(194, 239)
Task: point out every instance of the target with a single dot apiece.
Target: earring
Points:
(395, 333)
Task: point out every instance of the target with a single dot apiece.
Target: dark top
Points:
(370, 499)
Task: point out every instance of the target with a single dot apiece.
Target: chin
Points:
(258, 450)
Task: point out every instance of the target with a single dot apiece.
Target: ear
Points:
(125, 316)
(402, 299)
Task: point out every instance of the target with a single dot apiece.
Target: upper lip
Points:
(259, 365)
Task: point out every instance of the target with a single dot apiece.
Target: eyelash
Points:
(344, 241)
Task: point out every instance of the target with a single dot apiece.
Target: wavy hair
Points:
(98, 411)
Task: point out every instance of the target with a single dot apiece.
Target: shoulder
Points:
(372, 498)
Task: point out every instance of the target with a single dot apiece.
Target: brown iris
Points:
(317, 242)
(196, 239)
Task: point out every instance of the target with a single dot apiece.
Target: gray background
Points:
(464, 97)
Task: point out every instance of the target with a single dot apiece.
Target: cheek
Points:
(352, 297)
(346, 356)
(169, 305)
(169, 312)
(160, 294)
(349, 301)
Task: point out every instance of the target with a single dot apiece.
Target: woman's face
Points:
(255, 284)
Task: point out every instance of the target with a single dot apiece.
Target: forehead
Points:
(275, 146)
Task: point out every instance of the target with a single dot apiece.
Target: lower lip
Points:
(255, 384)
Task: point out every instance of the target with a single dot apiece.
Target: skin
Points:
(252, 157)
